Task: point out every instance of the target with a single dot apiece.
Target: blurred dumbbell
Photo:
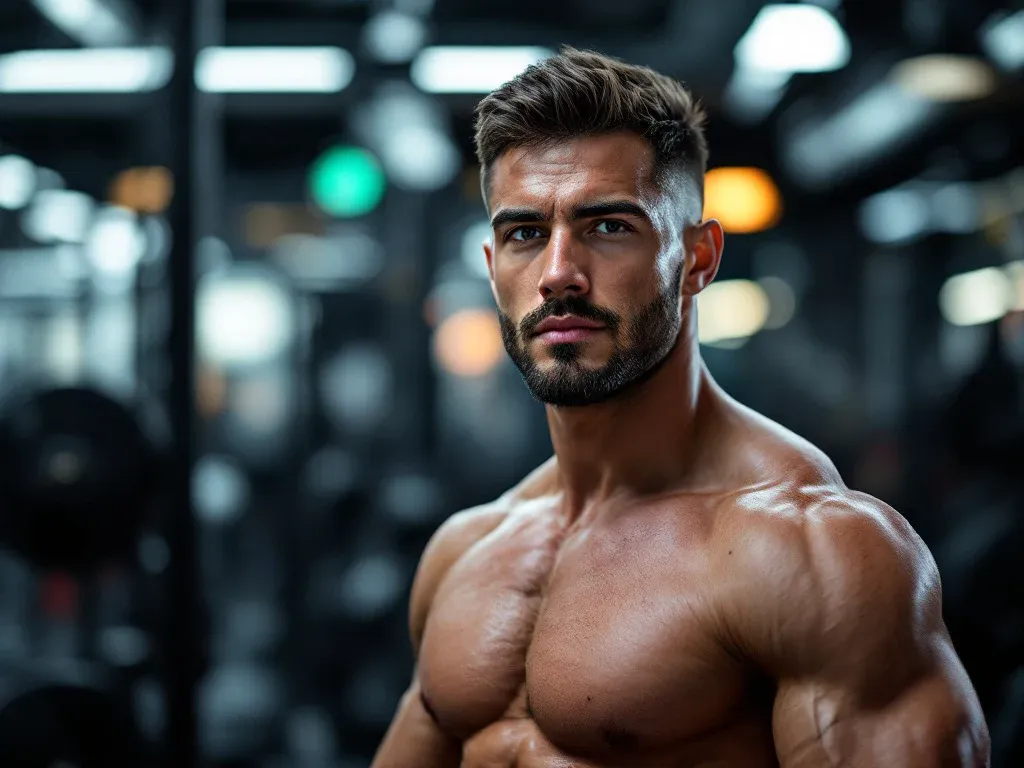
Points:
(77, 473)
(67, 725)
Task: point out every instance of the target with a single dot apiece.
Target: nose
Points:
(563, 268)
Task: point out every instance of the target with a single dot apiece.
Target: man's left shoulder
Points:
(837, 528)
(829, 555)
(828, 526)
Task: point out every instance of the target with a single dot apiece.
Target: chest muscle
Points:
(600, 635)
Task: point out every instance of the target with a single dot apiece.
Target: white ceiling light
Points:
(473, 240)
(977, 297)
(90, 22)
(471, 69)
(17, 182)
(114, 247)
(945, 78)
(58, 216)
(793, 38)
(394, 37)
(274, 70)
(420, 157)
(409, 132)
(94, 70)
(220, 489)
(1003, 40)
(243, 318)
(1015, 273)
(731, 309)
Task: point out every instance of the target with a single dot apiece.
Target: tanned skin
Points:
(685, 583)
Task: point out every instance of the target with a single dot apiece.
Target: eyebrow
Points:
(586, 211)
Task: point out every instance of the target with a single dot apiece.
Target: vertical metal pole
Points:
(181, 637)
(406, 335)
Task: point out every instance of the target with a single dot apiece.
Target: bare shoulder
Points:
(817, 569)
(797, 507)
(799, 549)
(458, 534)
(832, 593)
(829, 531)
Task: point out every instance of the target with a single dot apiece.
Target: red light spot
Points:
(59, 596)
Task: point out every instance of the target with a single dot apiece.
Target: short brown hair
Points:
(583, 93)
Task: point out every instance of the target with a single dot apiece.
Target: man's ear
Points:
(704, 243)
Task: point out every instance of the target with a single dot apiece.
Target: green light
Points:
(347, 182)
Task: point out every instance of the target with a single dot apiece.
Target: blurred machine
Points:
(78, 481)
(78, 476)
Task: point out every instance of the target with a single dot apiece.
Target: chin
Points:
(575, 354)
(558, 366)
(560, 396)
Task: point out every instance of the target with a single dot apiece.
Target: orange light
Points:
(211, 391)
(468, 343)
(266, 223)
(744, 200)
(145, 190)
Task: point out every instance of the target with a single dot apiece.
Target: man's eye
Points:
(522, 234)
(611, 228)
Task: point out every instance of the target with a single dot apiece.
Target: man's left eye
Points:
(612, 228)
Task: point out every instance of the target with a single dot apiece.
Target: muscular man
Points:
(685, 583)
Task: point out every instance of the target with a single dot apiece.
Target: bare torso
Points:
(599, 643)
(773, 617)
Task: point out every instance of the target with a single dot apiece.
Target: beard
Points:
(641, 346)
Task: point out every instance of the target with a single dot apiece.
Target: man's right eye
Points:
(523, 234)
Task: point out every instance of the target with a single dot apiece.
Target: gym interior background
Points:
(249, 360)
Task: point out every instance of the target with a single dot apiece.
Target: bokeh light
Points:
(744, 200)
(346, 182)
(468, 343)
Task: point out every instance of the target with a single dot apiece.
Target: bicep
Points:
(933, 722)
(865, 670)
(415, 739)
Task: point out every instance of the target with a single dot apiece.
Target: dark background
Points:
(230, 562)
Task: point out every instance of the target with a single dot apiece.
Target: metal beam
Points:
(181, 635)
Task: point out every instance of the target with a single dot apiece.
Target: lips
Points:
(567, 329)
(566, 323)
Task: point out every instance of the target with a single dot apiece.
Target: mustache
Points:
(570, 305)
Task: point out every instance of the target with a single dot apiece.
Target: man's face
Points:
(586, 266)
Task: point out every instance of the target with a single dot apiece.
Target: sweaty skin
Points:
(685, 583)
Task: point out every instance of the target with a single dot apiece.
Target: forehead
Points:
(613, 165)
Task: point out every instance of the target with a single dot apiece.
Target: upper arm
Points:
(854, 637)
(414, 738)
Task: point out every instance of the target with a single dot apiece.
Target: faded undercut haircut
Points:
(577, 94)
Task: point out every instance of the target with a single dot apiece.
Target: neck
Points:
(642, 441)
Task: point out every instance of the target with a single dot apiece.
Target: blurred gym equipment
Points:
(77, 473)
(979, 552)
